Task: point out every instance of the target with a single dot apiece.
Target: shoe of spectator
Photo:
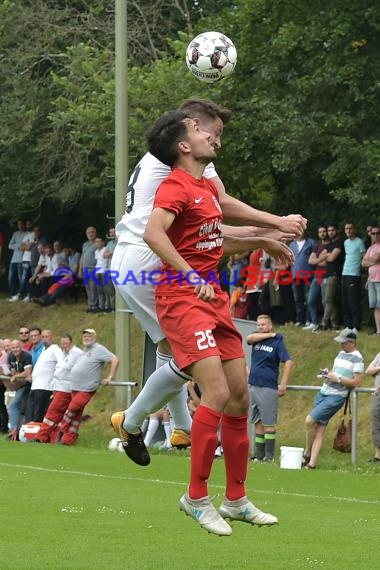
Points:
(374, 460)
(180, 439)
(14, 298)
(314, 328)
(305, 460)
(204, 513)
(268, 460)
(133, 443)
(218, 451)
(245, 511)
(36, 300)
(298, 324)
(308, 327)
(257, 459)
(26, 299)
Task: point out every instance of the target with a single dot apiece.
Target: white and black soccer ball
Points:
(115, 445)
(211, 56)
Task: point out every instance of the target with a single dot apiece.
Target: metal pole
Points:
(354, 429)
(122, 322)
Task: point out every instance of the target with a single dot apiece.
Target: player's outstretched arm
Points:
(253, 231)
(279, 251)
(236, 211)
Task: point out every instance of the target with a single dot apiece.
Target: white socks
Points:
(164, 384)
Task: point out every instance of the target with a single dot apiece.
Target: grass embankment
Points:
(309, 351)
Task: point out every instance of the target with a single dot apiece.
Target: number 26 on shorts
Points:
(205, 340)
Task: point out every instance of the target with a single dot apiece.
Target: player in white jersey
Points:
(133, 257)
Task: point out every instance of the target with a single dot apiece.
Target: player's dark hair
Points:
(205, 107)
(165, 134)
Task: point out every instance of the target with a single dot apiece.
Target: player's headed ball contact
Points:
(63, 276)
(211, 56)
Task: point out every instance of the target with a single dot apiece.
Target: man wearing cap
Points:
(346, 374)
(85, 378)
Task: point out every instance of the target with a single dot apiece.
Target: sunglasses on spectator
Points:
(375, 233)
(23, 332)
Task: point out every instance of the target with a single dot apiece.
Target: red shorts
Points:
(196, 329)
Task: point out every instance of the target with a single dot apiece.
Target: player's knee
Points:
(216, 397)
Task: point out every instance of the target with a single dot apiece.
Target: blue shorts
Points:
(374, 294)
(325, 407)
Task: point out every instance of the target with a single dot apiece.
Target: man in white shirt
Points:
(49, 430)
(42, 379)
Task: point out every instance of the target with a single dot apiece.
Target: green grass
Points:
(90, 508)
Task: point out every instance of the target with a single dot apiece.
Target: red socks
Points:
(204, 440)
(235, 442)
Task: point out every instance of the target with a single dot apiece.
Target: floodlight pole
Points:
(122, 318)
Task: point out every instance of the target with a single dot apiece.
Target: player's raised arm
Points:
(276, 249)
(236, 211)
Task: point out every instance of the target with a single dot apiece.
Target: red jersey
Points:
(196, 232)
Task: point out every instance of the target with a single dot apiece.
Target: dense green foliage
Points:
(305, 94)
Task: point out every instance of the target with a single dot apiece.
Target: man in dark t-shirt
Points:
(334, 256)
(20, 365)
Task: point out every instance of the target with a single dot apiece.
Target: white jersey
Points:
(142, 186)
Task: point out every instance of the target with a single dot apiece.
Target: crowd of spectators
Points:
(321, 290)
(49, 383)
(42, 270)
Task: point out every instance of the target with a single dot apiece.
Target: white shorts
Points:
(132, 260)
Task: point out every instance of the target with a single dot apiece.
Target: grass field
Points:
(86, 508)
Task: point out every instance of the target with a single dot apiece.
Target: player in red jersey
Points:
(184, 230)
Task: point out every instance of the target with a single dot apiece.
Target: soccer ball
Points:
(211, 56)
(115, 445)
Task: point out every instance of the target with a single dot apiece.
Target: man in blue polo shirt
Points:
(268, 351)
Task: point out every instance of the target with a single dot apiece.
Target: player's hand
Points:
(293, 224)
(105, 381)
(281, 253)
(205, 291)
(281, 390)
(279, 235)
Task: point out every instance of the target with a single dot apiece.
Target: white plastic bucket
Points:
(291, 457)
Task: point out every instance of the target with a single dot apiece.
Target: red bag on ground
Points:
(29, 431)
